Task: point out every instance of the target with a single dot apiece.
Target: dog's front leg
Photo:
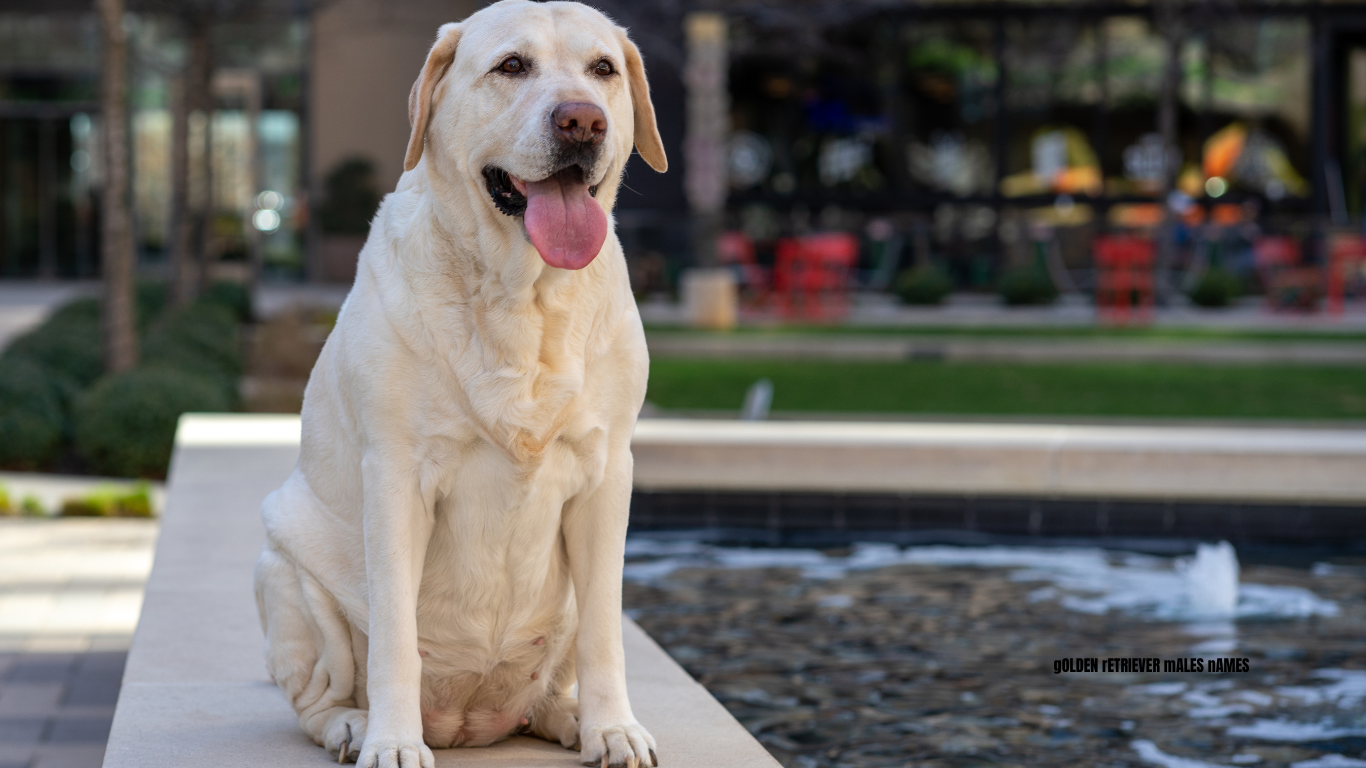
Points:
(398, 524)
(595, 536)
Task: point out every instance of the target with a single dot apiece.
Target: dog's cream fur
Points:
(445, 562)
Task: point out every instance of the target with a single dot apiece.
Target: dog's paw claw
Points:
(617, 746)
(654, 761)
(395, 753)
(344, 735)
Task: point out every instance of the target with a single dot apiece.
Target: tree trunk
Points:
(183, 281)
(119, 327)
(195, 230)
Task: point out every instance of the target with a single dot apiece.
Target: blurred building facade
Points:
(972, 127)
(958, 128)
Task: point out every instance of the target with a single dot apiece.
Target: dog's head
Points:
(539, 105)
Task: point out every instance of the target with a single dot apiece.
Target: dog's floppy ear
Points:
(420, 98)
(648, 143)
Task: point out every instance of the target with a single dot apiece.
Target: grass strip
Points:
(1035, 389)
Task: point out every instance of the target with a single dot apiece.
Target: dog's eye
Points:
(603, 68)
(511, 65)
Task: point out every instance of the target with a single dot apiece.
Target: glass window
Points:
(1053, 92)
(1258, 95)
(1132, 156)
(948, 106)
(811, 117)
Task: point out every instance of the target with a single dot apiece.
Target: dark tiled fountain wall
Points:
(804, 518)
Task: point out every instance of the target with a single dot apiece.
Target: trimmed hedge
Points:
(925, 285)
(234, 297)
(66, 345)
(1216, 288)
(1026, 286)
(52, 387)
(32, 415)
(125, 424)
(199, 339)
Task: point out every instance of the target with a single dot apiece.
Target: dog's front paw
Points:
(617, 746)
(381, 752)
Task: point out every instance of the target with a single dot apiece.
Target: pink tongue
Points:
(565, 223)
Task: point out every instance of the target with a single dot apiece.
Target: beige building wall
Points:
(367, 53)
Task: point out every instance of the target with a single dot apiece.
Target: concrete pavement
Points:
(70, 596)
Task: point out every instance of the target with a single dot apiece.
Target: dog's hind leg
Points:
(309, 653)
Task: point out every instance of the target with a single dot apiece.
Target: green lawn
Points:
(1047, 389)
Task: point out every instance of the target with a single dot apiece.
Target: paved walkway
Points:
(70, 596)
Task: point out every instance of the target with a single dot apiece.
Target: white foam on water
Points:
(1086, 580)
(1157, 689)
(1223, 710)
(1149, 753)
(1281, 729)
(1347, 692)
(1330, 761)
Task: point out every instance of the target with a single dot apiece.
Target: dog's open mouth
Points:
(563, 220)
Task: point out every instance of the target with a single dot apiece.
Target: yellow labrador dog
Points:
(445, 562)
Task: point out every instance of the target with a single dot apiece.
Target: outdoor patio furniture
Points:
(1124, 278)
(1346, 257)
(811, 274)
(1289, 283)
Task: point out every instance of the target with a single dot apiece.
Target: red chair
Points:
(1124, 278)
(1346, 254)
(811, 274)
(1288, 283)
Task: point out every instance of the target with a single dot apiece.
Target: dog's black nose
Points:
(579, 122)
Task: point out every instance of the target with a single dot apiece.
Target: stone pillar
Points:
(705, 181)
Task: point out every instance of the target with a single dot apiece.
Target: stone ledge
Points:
(196, 691)
(1019, 460)
(1282, 465)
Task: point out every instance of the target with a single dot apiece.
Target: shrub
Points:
(66, 344)
(925, 285)
(150, 301)
(32, 415)
(200, 339)
(80, 311)
(234, 297)
(125, 424)
(1217, 288)
(1026, 286)
(111, 502)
